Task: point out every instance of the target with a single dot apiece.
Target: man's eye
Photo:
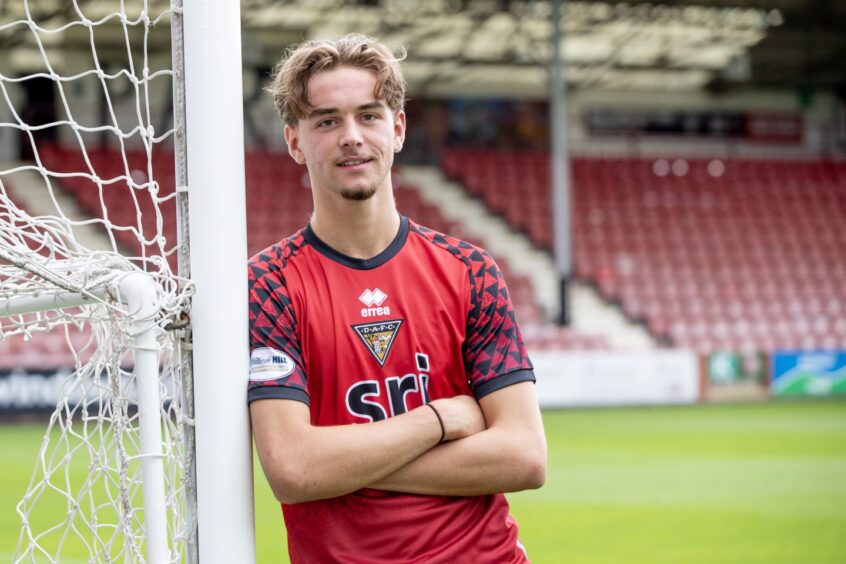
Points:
(369, 117)
(325, 123)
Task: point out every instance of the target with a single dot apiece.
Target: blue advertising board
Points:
(816, 373)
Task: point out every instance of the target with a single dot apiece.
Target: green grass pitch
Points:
(702, 484)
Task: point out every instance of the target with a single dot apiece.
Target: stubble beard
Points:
(358, 194)
(361, 193)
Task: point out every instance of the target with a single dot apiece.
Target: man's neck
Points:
(358, 229)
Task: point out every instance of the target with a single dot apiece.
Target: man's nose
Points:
(350, 134)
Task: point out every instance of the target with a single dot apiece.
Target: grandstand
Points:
(702, 237)
(730, 255)
(710, 254)
(278, 202)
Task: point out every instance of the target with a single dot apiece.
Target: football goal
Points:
(122, 269)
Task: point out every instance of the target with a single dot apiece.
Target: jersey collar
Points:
(357, 263)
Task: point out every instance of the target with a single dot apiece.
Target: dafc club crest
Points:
(378, 337)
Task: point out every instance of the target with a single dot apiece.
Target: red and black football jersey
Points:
(363, 340)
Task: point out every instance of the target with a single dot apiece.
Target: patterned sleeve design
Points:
(494, 353)
(276, 363)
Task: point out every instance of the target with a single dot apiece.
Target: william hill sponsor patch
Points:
(269, 364)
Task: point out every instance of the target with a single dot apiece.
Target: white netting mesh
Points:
(84, 86)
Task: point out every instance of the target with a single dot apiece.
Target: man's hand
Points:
(304, 462)
(507, 453)
(461, 416)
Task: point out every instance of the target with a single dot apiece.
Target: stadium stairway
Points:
(47, 351)
(590, 313)
(29, 190)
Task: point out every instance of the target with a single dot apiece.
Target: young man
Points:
(391, 397)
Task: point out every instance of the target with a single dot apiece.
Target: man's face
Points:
(349, 139)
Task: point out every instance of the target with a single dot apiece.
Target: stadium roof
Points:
(504, 46)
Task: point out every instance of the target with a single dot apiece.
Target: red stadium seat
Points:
(278, 203)
(755, 256)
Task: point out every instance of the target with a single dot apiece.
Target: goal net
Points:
(93, 275)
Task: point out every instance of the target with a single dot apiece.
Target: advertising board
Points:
(820, 373)
(609, 378)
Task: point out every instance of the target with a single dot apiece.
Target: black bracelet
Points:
(441, 421)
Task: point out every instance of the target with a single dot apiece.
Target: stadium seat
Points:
(754, 257)
(278, 203)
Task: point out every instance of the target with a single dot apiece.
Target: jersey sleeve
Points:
(494, 353)
(276, 361)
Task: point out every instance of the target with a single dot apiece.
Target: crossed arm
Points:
(496, 445)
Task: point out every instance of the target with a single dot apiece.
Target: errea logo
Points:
(373, 299)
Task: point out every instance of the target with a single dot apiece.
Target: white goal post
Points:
(215, 132)
(148, 451)
(137, 293)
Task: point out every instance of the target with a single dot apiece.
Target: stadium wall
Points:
(573, 379)
(564, 379)
(613, 378)
(819, 133)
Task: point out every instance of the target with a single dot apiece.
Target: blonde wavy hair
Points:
(289, 82)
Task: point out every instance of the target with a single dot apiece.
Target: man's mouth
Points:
(349, 163)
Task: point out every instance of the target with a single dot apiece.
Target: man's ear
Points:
(399, 130)
(292, 139)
